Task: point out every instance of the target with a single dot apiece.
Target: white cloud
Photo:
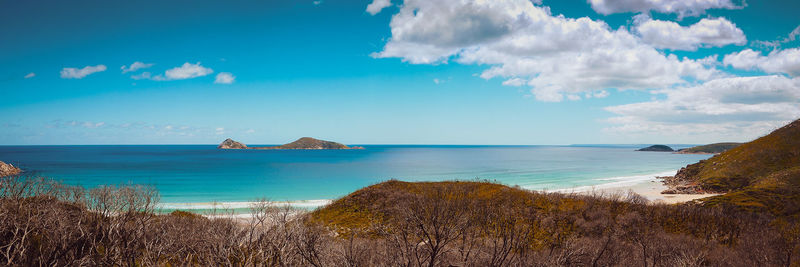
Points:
(683, 8)
(437, 81)
(601, 94)
(738, 107)
(142, 76)
(778, 61)
(225, 78)
(316, 3)
(708, 32)
(377, 5)
(249, 131)
(777, 43)
(555, 55)
(135, 66)
(75, 73)
(30, 75)
(187, 71)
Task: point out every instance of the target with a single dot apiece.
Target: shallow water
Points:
(203, 174)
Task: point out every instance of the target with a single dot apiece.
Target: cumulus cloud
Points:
(135, 66)
(708, 32)
(522, 42)
(738, 107)
(683, 8)
(225, 78)
(377, 5)
(778, 61)
(30, 75)
(75, 73)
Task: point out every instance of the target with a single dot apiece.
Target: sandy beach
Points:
(652, 191)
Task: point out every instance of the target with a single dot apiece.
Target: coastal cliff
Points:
(302, 143)
(8, 169)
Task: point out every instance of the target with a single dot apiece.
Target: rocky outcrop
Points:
(657, 148)
(8, 169)
(230, 144)
(682, 183)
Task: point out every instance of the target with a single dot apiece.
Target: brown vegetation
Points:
(393, 223)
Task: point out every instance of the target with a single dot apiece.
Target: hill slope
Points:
(762, 174)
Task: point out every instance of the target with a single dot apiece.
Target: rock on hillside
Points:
(230, 144)
(657, 148)
(8, 169)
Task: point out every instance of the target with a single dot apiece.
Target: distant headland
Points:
(715, 148)
(657, 148)
(302, 143)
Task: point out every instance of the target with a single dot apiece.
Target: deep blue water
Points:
(202, 173)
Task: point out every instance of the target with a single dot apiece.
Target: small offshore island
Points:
(302, 143)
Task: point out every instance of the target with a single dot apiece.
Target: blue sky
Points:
(399, 72)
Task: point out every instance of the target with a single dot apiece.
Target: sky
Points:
(501, 72)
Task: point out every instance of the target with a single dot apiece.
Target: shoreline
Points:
(648, 186)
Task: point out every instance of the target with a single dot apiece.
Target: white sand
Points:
(652, 191)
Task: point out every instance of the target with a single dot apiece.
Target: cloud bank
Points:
(525, 44)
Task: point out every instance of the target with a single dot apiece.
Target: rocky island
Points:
(302, 143)
(657, 148)
(230, 144)
(8, 169)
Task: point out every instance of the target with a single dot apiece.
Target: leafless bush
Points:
(47, 223)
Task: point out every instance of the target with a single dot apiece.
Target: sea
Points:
(202, 176)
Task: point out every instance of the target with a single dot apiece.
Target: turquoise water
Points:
(202, 173)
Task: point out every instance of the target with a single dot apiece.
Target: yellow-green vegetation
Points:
(709, 149)
(777, 193)
(428, 217)
(761, 174)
